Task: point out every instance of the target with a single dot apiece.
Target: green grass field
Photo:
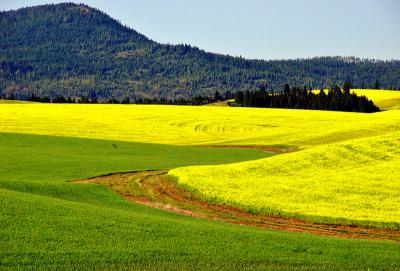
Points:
(346, 170)
(49, 223)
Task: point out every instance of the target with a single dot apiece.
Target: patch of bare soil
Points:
(156, 189)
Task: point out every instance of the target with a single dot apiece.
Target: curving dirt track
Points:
(157, 190)
(265, 148)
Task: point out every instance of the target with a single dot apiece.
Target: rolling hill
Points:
(75, 50)
(51, 223)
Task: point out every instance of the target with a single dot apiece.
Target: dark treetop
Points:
(335, 99)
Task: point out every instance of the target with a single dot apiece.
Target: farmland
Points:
(181, 125)
(343, 168)
(276, 146)
(61, 225)
(355, 182)
(385, 99)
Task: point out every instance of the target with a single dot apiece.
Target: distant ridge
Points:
(75, 50)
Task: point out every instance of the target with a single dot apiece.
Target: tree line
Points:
(70, 50)
(335, 99)
(196, 100)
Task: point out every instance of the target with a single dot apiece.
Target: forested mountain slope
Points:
(75, 50)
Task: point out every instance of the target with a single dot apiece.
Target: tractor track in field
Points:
(265, 148)
(154, 188)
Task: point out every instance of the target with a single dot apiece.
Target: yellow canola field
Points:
(184, 125)
(384, 99)
(348, 168)
(356, 182)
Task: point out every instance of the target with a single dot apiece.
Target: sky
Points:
(261, 29)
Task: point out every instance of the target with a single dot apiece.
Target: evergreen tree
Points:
(302, 98)
(377, 85)
(217, 96)
(286, 89)
(239, 98)
(246, 98)
(347, 86)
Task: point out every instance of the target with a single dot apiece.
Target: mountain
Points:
(75, 50)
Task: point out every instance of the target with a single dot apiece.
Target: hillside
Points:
(352, 182)
(344, 169)
(48, 223)
(75, 50)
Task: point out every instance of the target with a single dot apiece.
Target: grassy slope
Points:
(353, 182)
(195, 125)
(26, 165)
(50, 224)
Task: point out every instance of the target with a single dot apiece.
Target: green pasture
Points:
(49, 223)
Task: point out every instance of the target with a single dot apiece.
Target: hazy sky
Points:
(269, 29)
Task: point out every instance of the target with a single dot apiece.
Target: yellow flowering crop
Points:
(186, 125)
(347, 169)
(384, 99)
(357, 181)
